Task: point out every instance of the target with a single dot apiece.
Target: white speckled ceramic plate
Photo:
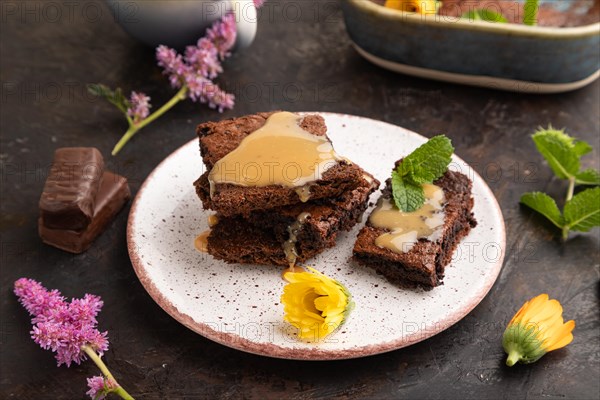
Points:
(239, 306)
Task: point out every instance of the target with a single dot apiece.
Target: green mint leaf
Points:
(484, 15)
(581, 148)
(588, 177)
(115, 97)
(424, 165)
(530, 11)
(408, 196)
(430, 160)
(406, 168)
(545, 205)
(582, 212)
(559, 151)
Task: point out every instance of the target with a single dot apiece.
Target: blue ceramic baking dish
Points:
(512, 57)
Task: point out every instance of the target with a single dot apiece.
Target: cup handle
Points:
(245, 18)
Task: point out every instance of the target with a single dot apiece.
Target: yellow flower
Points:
(314, 303)
(425, 7)
(536, 329)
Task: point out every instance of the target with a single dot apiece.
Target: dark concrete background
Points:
(296, 63)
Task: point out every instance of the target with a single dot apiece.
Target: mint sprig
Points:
(530, 14)
(588, 177)
(483, 14)
(545, 205)
(563, 154)
(424, 165)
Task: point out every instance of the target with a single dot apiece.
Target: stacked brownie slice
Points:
(277, 224)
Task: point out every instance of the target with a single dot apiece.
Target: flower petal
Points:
(314, 303)
(562, 337)
(533, 306)
(547, 311)
(536, 329)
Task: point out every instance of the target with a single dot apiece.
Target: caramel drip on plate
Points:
(213, 220)
(408, 227)
(289, 246)
(201, 242)
(279, 153)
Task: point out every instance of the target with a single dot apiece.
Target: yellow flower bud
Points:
(536, 329)
(425, 7)
(314, 303)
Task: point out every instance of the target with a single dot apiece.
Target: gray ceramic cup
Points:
(178, 23)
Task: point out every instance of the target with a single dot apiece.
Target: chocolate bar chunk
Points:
(68, 199)
(112, 195)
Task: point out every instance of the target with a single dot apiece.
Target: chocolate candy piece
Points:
(68, 199)
(112, 195)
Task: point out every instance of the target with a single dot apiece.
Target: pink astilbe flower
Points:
(205, 91)
(259, 3)
(100, 387)
(172, 64)
(221, 100)
(222, 35)
(204, 58)
(96, 385)
(139, 106)
(201, 64)
(69, 330)
(59, 326)
(36, 299)
(198, 87)
(86, 309)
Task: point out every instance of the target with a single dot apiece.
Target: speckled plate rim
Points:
(314, 354)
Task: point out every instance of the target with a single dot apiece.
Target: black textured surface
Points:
(297, 63)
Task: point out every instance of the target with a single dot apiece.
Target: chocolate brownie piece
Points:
(424, 264)
(217, 139)
(259, 237)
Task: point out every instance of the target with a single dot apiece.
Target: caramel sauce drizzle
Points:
(406, 228)
(279, 153)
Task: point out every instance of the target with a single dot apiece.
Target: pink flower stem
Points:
(91, 353)
(134, 128)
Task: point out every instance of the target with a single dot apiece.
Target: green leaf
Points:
(588, 177)
(484, 15)
(405, 168)
(115, 97)
(582, 212)
(545, 205)
(408, 196)
(559, 151)
(424, 165)
(582, 148)
(429, 161)
(530, 12)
